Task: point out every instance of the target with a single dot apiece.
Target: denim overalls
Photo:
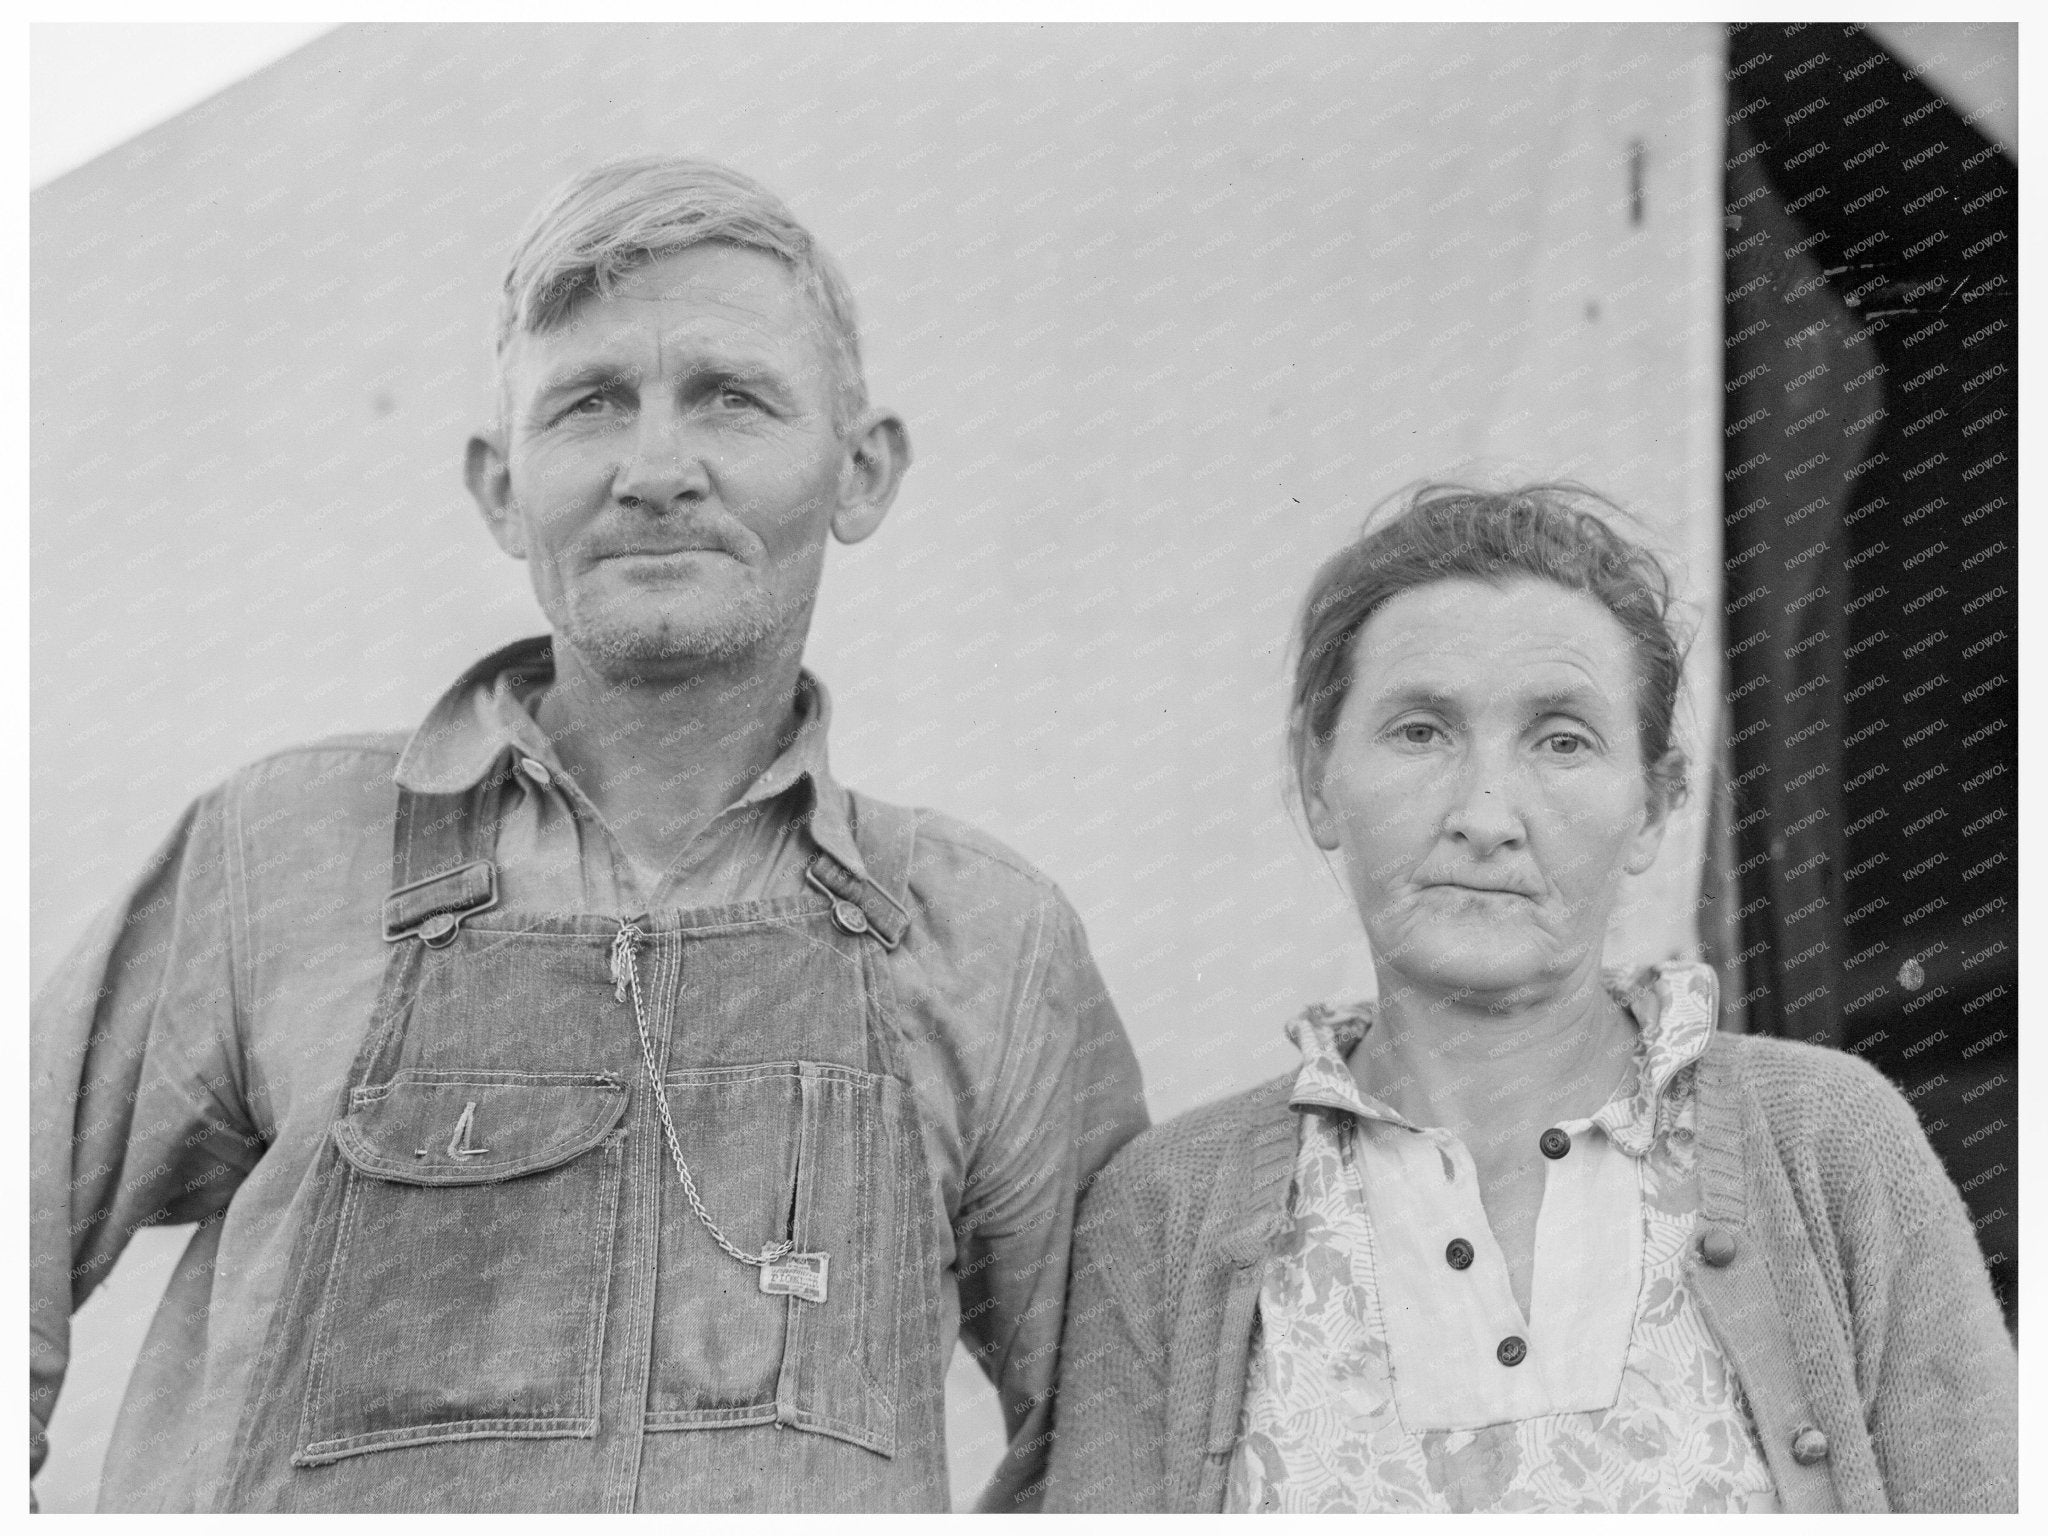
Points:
(503, 1299)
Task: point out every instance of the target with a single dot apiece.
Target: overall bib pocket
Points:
(805, 1152)
(465, 1296)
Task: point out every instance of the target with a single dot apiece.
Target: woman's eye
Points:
(1418, 732)
(1565, 744)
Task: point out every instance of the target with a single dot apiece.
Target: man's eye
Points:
(590, 405)
(1418, 732)
(1566, 744)
(735, 399)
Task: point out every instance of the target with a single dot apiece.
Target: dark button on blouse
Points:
(1809, 1445)
(1459, 1254)
(1513, 1351)
(1717, 1246)
(1554, 1143)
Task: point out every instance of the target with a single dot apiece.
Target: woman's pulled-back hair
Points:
(1555, 533)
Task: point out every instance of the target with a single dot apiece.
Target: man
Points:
(587, 1103)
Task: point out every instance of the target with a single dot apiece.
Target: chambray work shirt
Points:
(191, 1053)
(1393, 1368)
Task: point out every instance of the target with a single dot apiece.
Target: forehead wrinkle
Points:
(1486, 685)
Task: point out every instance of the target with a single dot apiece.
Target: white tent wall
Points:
(1167, 309)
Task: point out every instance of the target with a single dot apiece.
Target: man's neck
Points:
(660, 757)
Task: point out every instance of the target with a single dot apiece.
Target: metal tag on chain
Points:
(801, 1275)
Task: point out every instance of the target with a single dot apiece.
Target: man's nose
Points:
(663, 470)
(1484, 796)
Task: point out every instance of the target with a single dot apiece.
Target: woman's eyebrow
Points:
(1576, 700)
(1418, 696)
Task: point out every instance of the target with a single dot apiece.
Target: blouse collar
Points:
(1674, 1006)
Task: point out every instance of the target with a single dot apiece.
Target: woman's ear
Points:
(1322, 824)
(1664, 790)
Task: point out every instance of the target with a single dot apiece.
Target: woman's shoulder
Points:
(1829, 1108)
(1794, 1077)
(1186, 1151)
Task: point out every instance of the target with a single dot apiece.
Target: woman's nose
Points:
(1482, 811)
(663, 471)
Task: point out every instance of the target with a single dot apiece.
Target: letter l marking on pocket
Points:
(458, 1144)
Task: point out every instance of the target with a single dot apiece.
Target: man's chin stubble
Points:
(618, 650)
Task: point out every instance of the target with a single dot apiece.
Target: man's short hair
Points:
(619, 216)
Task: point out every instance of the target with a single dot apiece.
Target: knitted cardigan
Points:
(1855, 1312)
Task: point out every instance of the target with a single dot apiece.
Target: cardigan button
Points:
(1809, 1445)
(1554, 1143)
(1512, 1351)
(1458, 1253)
(1717, 1246)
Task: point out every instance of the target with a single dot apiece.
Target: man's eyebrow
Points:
(587, 376)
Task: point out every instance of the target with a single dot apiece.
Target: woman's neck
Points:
(1470, 1067)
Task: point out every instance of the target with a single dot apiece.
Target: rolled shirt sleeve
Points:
(135, 1092)
(1066, 1096)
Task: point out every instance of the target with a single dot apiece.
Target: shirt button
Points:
(1512, 1351)
(1459, 1254)
(438, 929)
(537, 771)
(1554, 1143)
(1809, 1445)
(849, 917)
(1717, 1246)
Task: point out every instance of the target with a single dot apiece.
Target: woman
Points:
(1517, 1235)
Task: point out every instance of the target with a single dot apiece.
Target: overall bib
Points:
(504, 1296)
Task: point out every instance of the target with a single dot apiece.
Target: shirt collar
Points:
(485, 716)
(1674, 1006)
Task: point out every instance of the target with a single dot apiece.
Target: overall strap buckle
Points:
(856, 907)
(434, 908)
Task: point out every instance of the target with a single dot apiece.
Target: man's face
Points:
(669, 467)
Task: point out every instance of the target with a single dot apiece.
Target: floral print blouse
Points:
(1393, 1369)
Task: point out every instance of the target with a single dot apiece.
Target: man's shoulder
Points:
(341, 776)
(958, 866)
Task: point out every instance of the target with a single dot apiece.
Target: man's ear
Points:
(877, 454)
(1663, 792)
(488, 475)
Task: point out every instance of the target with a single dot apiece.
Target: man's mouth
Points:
(658, 559)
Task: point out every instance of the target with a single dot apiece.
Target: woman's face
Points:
(1485, 784)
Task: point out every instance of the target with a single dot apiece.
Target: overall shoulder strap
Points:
(877, 905)
(885, 835)
(441, 870)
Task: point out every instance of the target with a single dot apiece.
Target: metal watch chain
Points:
(626, 979)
